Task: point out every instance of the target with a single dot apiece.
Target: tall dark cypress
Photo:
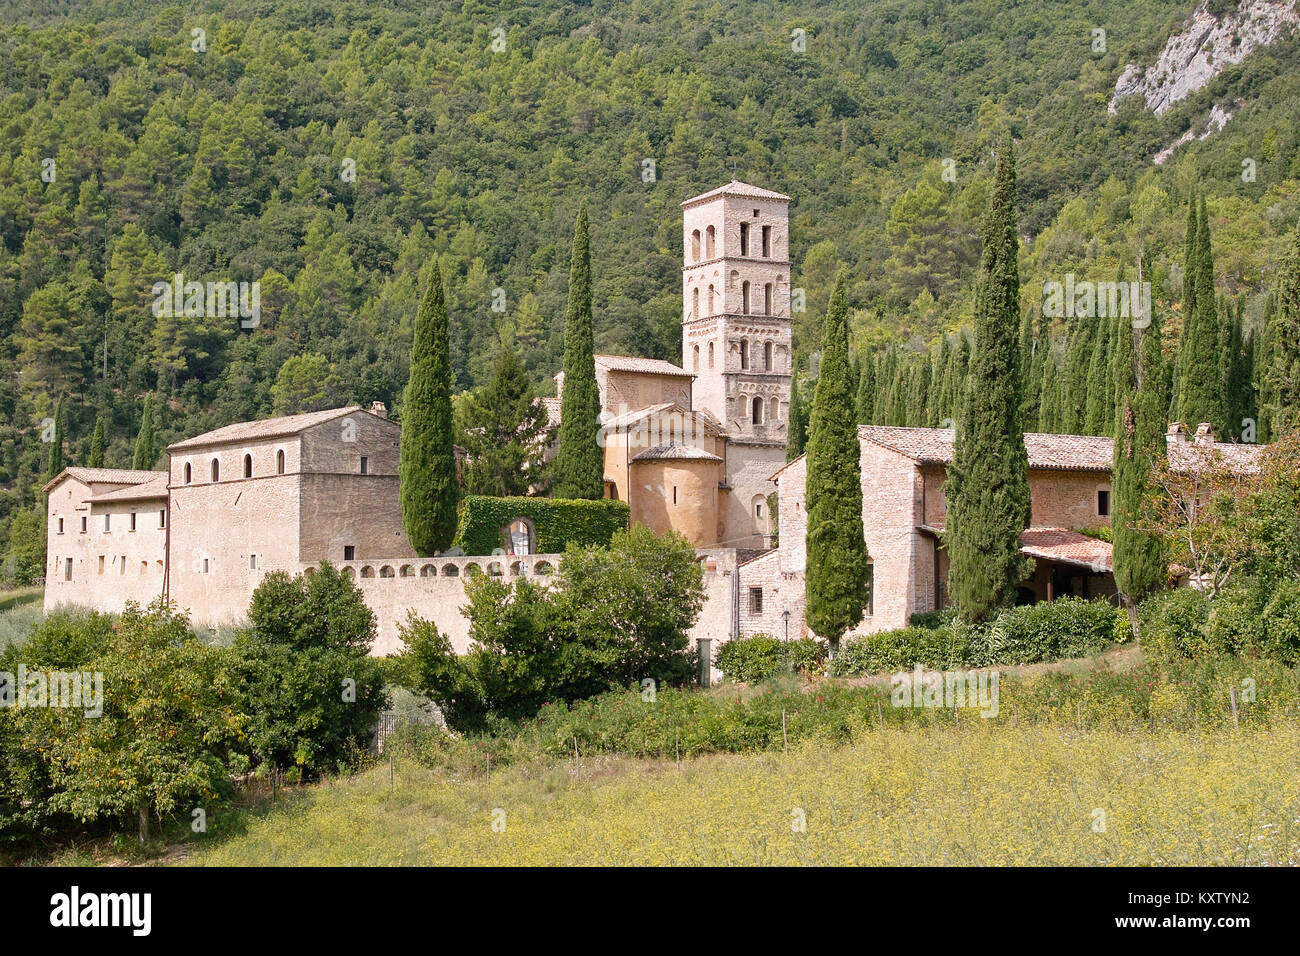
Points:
(427, 468)
(1187, 307)
(54, 463)
(988, 484)
(836, 577)
(146, 452)
(96, 459)
(796, 435)
(1200, 389)
(1140, 560)
(864, 405)
(1284, 374)
(579, 460)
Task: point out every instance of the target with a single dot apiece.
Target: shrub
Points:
(1050, 630)
(557, 522)
(312, 691)
(892, 651)
(752, 659)
(1174, 624)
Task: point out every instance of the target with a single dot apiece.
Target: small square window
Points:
(755, 601)
(365, 465)
(349, 552)
(1103, 503)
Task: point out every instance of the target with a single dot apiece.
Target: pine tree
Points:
(837, 553)
(427, 468)
(987, 489)
(579, 461)
(146, 452)
(1140, 560)
(502, 428)
(54, 464)
(97, 443)
(1284, 378)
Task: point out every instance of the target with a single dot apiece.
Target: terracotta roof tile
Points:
(632, 363)
(737, 188)
(266, 428)
(674, 450)
(154, 488)
(1057, 544)
(1054, 452)
(107, 476)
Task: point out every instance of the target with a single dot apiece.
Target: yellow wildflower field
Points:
(970, 794)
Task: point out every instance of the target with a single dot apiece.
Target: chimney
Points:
(1204, 434)
(379, 408)
(1177, 433)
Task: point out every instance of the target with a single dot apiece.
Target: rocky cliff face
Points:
(1208, 46)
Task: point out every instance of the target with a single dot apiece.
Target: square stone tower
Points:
(736, 308)
(736, 341)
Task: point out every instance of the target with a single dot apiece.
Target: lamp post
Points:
(785, 616)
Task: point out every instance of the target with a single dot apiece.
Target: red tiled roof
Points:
(676, 451)
(1051, 452)
(632, 363)
(107, 476)
(1057, 544)
(737, 188)
(1185, 457)
(267, 428)
(153, 488)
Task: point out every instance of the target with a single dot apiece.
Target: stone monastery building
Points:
(699, 449)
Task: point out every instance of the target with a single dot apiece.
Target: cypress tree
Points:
(54, 464)
(1099, 382)
(1188, 304)
(837, 552)
(1284, 378)
(1140, 560)
(987, 489)
(1200, 389)
(97, 443)
(938, 366)
(427, 467)
(146, 452)
(1265, 391)
(579, 461)
(797, 434)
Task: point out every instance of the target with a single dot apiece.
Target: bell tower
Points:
(736, 329)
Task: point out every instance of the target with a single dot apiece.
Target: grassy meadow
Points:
(981, 792)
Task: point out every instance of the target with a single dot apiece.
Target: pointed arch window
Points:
(708, 242)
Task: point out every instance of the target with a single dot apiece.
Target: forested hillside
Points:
(332, 151)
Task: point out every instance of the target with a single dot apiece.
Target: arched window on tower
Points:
(767, 357)
(279, 462)
(767, 298)
(708, 243)
(744, 354)
(248, 466)
(695, 303)
(774, 410)
(696, 358)
(744, 298)
(710, 355)
(695, 246)
(710, 300)
(216, 470)
(757, 416)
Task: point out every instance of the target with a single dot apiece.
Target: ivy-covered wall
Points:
(556, 522)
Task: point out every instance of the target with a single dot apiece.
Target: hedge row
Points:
(1050, 630)
(749, 659)
(557, 522)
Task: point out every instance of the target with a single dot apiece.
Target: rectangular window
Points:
(871, 588)
(60, 526)
(83, 524)
(349, 552)
(162, 517)
(758, 510)
(205, 565)
(365, 465)
(67, 569)
(674, 494)
(744, 239)
(755, 601)
(767, 242)
(1103, 503)
(132, 520)
(121, 567)
(101, 564)
(252, 562)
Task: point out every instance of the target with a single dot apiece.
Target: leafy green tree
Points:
(504, 430)
(167, 730)
(146, 450)
(836, 578)
(304, 384)
(1140, 560)
(987, 488)
(579, 461)
(427, 469)
(311, 690)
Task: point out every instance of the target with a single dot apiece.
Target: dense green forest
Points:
(334, 151)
